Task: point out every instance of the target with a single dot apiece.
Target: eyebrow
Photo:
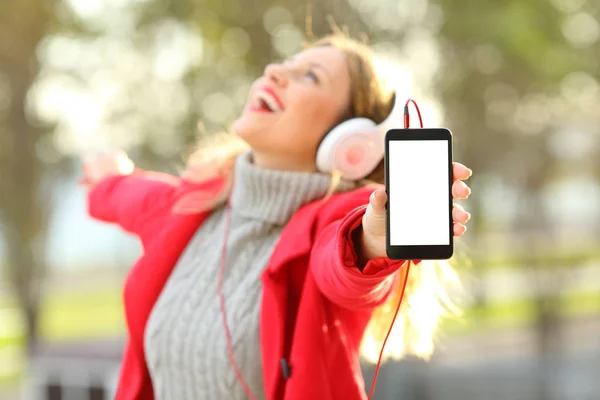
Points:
(312, 64)
(325, 70)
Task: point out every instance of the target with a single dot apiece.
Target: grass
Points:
(552, 258)
(518, 312)
(67, 315)
(75, 315)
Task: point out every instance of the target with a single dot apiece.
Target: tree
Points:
(24, 200)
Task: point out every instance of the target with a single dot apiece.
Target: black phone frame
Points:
(419, 252)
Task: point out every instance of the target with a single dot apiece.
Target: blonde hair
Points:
(425, 300)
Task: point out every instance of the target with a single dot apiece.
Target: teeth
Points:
(267, 98)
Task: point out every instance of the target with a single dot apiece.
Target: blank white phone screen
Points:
(419, 192)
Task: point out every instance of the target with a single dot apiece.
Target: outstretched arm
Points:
(119, 193)
(349, 258)
(337, 268)
(129, 200)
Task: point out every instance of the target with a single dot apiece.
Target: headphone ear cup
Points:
(349, 149)
(356, 146)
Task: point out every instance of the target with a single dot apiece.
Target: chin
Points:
(251, 131)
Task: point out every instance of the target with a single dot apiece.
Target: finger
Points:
(460, 190)
(459, 214)
(378, 200)
(460, 172)
(459, 229)
(374, 220)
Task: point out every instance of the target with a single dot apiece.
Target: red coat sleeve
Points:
(334, 265)
(128, 200)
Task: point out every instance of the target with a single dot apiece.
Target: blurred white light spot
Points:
(434, 20)
(531, 116)
(410, 11)
(581, 29)
(177, 49)
(125, 133)
(580, 87)
(385, 20)
(572, 143)
(85, 117)
(104, 86)
(487, 59)
(399, 75)
(168, 102)
(124, 3)
(229, 67)
(276, 16)
(573, 201)
(86, 8)
(217, 107)
(235, 42)
(60, 52)
(394, 75)
(567, 6)
(51, 97)
(423, 54)
(242, 93)
(287, 40)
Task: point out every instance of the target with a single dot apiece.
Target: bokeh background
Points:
(517, 81)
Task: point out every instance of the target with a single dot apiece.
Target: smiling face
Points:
(292, 106)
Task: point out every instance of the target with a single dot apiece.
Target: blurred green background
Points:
(516, 81)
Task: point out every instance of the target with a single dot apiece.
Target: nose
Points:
(277, 73)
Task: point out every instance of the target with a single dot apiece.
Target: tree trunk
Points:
(24, 206)
(26, 278)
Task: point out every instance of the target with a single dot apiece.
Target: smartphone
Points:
(418, 180)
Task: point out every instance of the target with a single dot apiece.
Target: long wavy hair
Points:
(425, 301)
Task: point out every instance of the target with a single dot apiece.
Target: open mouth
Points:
(267, 102)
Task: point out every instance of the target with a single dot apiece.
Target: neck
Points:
(279, 163)
(275, 195)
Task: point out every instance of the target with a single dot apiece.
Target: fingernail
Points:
(470, 172)
(372, 198)
(468, 216)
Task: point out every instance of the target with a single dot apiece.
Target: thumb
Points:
(374, 220)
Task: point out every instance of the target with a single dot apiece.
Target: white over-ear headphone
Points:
(355, 147)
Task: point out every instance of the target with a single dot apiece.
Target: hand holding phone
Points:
(418, 180)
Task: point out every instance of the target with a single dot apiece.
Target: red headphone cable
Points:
(374, 381)
(407, 115)
(222, 303)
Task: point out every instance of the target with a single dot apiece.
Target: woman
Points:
(260, 275)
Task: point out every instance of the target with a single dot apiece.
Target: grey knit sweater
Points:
(185, 344)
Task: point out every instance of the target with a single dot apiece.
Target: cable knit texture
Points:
(184, 341)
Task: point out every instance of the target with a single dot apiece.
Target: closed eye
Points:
(312, 76)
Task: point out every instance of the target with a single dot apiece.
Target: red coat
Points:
(315, 302)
